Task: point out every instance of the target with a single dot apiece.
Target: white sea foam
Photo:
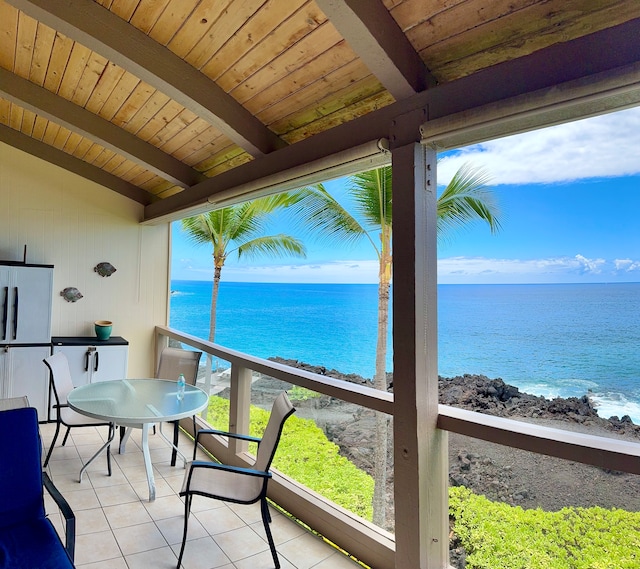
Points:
(610, 404)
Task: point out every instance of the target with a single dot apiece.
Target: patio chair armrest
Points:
(67, 513)
(230, 435)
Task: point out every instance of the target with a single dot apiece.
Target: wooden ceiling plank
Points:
(198, 143)
(5, 111)
(45, 37)
(62, 46)
(136, 99)
(91, 75)
(102, 158)
(105, 86)
(404, 13)
(163, 117)
(24, 46)
(331, 120)
(197, 26)
(39, 128)
(307, 50)
(146, 113)
(223, 29)
(67, 162)
(233, 162)
(349, 88)
(219, 155)
(114, 163)
(457, 19)
(327, 64)
(8, 38)
(50, 133)
(375, 36)
(61, 138)
(28, 120)
(180, 121)
(15, 118)
(170, 21)
(92, 126)
(124, 8)
(194, 129)
(536, 40)
(252, 33)
(132, 172)
(75, 67)
(199, 159)
(530, 23)
(338, 80)
(122, 89)
(83, 147)
(72, 143)
(147, 13)
(109, 35)
(285, 36)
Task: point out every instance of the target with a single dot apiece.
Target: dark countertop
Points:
(88, 341)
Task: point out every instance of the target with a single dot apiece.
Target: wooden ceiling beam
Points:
(582, 60)
(65, 113)
(370, 30)
(98, 29)
(72, 164)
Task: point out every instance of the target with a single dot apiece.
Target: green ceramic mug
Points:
(103, 329)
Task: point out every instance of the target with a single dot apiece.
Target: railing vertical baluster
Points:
(240, 401)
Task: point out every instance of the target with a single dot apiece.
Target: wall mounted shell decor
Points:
(104, 269)
(71, 294)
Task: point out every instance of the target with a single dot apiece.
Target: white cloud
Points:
(352, 272)
(602, 146)
(480, 270)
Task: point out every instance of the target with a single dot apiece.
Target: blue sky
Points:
(569, 200)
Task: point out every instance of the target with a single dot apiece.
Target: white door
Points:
(109, 362)
(32, 302)
(23, 372)
(79, 363)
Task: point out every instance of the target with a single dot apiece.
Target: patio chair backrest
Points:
(21, 467)
(60, 376)
(282, 409)
(174, 361)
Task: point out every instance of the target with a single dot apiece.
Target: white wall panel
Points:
(74, 224)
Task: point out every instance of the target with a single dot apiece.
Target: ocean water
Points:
(551, 340)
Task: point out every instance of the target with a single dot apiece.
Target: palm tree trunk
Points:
(214, 302)
(380, 382)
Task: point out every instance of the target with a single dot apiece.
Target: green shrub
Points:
(306, 455)
(498, 536)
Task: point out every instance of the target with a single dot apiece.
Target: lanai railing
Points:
(360, 538)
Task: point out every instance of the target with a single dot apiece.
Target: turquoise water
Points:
(552, 340)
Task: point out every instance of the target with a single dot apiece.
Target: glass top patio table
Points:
(134, 402)
(137, 403)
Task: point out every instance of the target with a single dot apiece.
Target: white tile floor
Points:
(118, 528)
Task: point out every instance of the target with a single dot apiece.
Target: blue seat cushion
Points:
(32, 545)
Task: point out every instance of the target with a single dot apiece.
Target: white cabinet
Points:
(25, 304)
(91, 360)
(22, 372)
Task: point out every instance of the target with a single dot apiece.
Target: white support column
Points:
(420, 449)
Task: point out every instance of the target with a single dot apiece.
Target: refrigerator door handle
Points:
(95, 367)
(15, 313)
(86, 360)
(5, 312)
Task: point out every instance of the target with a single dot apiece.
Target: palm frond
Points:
(372, 191)
(466, 199)
(272, 246)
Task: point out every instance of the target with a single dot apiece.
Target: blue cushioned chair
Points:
(27, 537)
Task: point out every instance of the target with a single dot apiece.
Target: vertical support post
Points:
(420, 449)
(239, 407)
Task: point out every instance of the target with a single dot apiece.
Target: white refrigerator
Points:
(26, 293)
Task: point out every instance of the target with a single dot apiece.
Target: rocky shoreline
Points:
(501, 473)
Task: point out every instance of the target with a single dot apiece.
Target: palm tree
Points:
(240, 229)
(464, 200)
